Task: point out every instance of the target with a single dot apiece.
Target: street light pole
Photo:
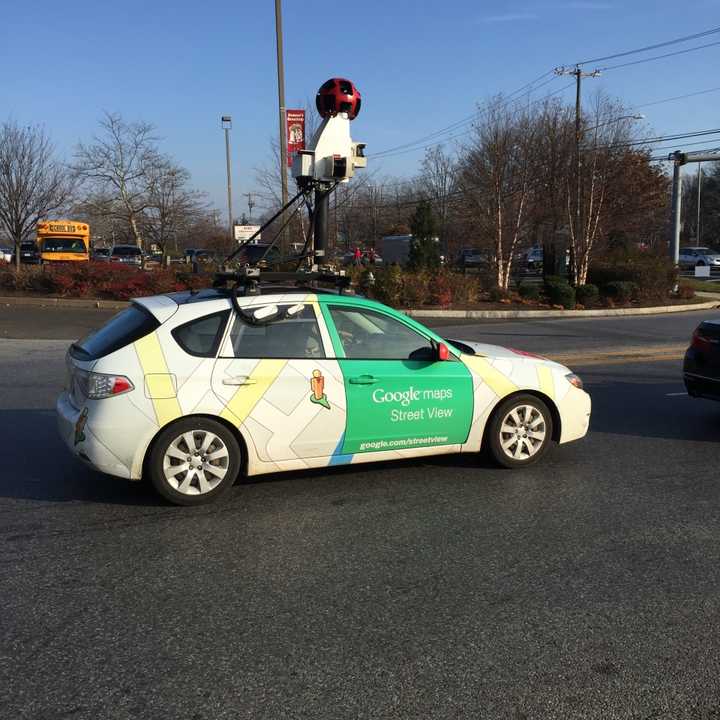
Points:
(226, 121)
(281, 110)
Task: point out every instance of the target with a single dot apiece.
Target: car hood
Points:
(498, 351)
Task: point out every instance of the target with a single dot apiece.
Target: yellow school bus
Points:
(63, 240)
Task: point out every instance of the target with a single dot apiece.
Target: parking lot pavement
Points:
(584, 587)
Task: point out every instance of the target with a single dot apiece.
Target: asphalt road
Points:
(586, 587)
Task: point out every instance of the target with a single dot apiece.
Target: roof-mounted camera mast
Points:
(331, 158)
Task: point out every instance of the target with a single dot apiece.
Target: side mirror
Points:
(442, 352)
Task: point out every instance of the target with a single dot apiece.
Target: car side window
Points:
(367, 334)
(296, 337)
(201, 337)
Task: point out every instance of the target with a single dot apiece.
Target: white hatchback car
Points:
(188, 391)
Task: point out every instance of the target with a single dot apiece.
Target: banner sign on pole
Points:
(295, 133)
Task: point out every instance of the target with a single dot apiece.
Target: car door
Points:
(399, 395)
(277, 384)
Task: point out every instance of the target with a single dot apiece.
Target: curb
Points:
(528, 314)
(64, 302)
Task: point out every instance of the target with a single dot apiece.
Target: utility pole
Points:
(281, 109)
(226, 122)
(579, 229)
(697, 226)
(250, 203)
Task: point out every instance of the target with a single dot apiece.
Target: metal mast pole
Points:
(227, 126)
(281, 109)
(697, 226)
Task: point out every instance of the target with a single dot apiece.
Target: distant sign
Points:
(295, 133)
(702, 271)
(245, 232)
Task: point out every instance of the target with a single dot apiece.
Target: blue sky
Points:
(419, 65)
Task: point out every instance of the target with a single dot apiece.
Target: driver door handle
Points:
(363, 380)
(239, 380)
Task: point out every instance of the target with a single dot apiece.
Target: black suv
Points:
(29, 253)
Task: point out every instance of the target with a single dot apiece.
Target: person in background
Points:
(357, 256)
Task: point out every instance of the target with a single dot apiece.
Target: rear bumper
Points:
(703, 387)
(75, 428)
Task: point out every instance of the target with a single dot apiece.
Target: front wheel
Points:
(520, 431)
(194, 461)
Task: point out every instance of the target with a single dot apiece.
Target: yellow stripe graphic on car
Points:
(499, 383)
(246, 397)
(547, 385)
(158, 381)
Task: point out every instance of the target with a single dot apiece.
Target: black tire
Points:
(195, 489)
(701, 263)
(496, 436)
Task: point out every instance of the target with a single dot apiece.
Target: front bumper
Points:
(75, 427)
(574, 409)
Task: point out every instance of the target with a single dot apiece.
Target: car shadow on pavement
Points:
(45, 470)
(650, 407)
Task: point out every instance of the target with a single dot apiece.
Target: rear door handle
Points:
(363, 380)
(239, 380)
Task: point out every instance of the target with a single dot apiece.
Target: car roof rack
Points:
(255, 281)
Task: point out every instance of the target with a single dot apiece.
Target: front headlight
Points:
(575, 380)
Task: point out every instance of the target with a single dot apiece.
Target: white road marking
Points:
(675, 394)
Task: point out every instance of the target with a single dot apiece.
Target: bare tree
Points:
(33, 184)
(118, 164)
(171, 204)
(605, 144)
(494, 175)
(437, 183)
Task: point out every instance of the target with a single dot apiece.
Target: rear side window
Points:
(126, 327)
(296, 337)
(201, 337)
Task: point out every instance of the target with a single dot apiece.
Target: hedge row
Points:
(96, 280)
(616, 280)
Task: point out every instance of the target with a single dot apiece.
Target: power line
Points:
(677, 97)
(686, 38)
(424, 146)
(656, 139)
(469, 118)
(659, 57)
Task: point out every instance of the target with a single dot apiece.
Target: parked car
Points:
(533, 258)
(691, 257)
(701, 367)
(29, 253)
(200, 255)
(126, 254)
(101, 254)
(6, 254)
(258, 255)
(190, 389)
(472, 258)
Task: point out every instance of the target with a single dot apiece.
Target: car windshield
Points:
(102, 251)
(126, 251)
(25, 246)
(68, 245)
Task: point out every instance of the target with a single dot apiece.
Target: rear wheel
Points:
(520, 431)
(194, 461)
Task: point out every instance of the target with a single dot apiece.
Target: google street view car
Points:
(193, 389)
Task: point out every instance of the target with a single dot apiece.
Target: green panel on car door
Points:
(403, 404)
